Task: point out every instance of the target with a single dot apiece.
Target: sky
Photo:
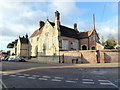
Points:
(19, 18)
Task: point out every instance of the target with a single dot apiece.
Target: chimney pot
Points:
(57, 15)
(75, 26)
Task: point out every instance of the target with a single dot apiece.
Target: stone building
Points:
(52, 37)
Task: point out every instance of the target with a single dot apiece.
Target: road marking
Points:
(70, 81)
(35, 75)
(104, 80)
(13, 75)
(31, 77)
(106, 83)
(21, 76)
(2, 84)
(26, 74)
(88, 82)
(46, 76)
(43, 78)
(109, 83)
(87, 79)
(5, 74)
(57, 80)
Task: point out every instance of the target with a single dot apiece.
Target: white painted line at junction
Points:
(21, 76)
(88, 82)
(106, 83)
(104, 80)
(57, 80)
(70, 81)
(35, 75)
(12, 75)
(109, 83)
(26, 74)
(87, 79)
(2, 83)
(46, 76)
(5, 74)
(43, 78)
(31, 77)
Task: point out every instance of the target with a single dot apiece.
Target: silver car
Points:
(11, 59)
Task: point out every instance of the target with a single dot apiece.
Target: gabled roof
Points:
(37, 32)
(85, 34)
(52, 23)
(66, 31)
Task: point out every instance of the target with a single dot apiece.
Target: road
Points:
(36, 75)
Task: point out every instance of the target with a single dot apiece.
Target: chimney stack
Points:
(26, 35)
(75, 26)
(41, 24)
(57, 15)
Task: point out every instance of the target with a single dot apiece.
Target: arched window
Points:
(93, 48)
(84, 47)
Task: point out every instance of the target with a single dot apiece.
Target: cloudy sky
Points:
(19, 18)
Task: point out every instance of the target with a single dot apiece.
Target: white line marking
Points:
(87, 79)
(26, 74)
(88, 82)
(104, 80)
(5, 74)
(13, 75)
(31, 77)
(46, 76)
(59, 78)
(2, 83)
(109, 83)
(106, 83)
(56, 80)
(21, 76)
(43, 78)
(70, 81)
(35, 75)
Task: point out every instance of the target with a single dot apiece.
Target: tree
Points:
(110, 42)
(102, 40)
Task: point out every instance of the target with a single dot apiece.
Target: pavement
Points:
(82, 64)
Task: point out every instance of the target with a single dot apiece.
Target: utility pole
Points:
(94, 31)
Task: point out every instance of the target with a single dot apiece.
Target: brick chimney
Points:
(41, 24)
(57, 15)
(75, 26)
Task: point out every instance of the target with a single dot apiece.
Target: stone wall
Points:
(110, 56)
(46, 59)
(90, 56)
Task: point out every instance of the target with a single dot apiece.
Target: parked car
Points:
(11, 59)
(20, 59)
(6, 59)
(2, 58)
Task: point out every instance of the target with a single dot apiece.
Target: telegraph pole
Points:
(94, 29)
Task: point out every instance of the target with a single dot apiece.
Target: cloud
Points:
(19, 18)
(109, 27)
